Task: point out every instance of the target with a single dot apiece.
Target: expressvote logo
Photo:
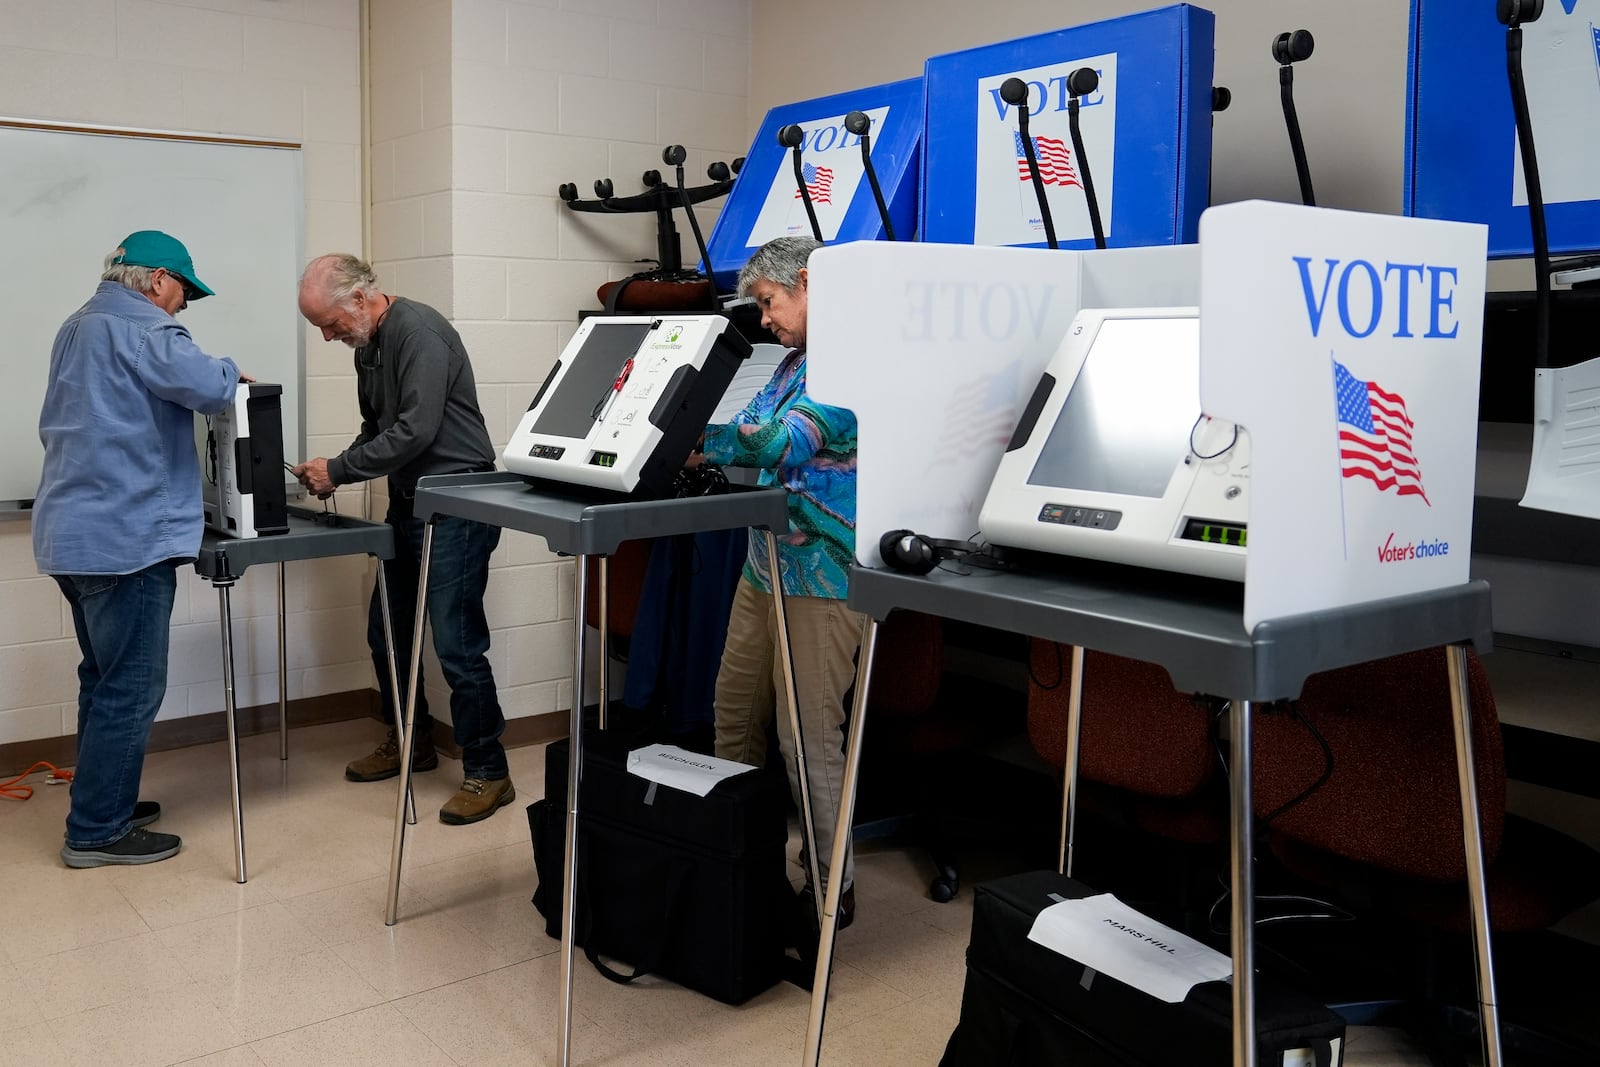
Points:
(670, 342)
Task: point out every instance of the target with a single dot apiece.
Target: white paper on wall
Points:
(1561, 74)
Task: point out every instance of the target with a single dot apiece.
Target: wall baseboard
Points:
(18, 756)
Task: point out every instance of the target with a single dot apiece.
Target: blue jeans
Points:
(123, 626)
(457, 577)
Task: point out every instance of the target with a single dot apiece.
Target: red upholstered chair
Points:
(624, 583)
(1391, 800)
(1143, 748)
(907, 669)
(1157, 809)
(1383, 834)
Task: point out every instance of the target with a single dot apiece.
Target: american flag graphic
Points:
(1055, 161)
(981, 414)
(1375, 435)
(819, 183)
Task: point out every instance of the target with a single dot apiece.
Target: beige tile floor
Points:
(176, 963)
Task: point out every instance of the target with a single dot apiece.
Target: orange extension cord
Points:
(14, 790)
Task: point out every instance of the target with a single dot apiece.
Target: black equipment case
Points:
(1025, 1005)
(691, 888)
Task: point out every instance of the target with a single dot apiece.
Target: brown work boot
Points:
(847, 906)
(385, 760)
(478, 798)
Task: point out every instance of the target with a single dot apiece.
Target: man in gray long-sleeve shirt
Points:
(419, 416)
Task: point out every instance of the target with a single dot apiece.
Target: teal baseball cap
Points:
(152, 248)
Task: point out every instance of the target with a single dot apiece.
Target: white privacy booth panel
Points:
(937, 348)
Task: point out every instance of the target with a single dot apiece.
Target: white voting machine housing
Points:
(626, 401)
(241, 452)
(1112, 458)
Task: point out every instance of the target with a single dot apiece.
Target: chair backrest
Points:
(1393, 799)
(1137, 732)
(624, 581)
(907, 664)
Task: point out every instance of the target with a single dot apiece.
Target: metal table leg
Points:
(283, 672)
(605, 640)
(1477, 881)
(224, 588)
(394, 679)
(807, 819)
(841, 838)
(569, 884)
(1243, 933)
(1069, 768)
(397, 853)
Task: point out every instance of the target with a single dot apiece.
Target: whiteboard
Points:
(68, 194)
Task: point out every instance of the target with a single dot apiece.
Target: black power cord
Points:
(1327, 911)
(707, 479)
(1198, 419)
(1061, 670)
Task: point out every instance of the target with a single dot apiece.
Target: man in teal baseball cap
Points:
(152, 248)
(117, 512)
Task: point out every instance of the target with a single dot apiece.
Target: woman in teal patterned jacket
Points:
(810, 450)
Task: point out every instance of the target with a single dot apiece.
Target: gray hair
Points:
(139, 279)
(779, 261)
(344, 275)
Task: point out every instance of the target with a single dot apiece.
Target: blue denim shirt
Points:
(120, 488)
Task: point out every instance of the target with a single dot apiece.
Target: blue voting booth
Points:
(765, 202)
(1146, 132)
(1462, 159)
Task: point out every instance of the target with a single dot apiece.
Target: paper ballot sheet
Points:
(681, 769)
(1105, 935)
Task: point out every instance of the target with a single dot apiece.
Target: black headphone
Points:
(912, 553)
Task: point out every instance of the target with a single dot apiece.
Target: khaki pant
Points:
(824, 635)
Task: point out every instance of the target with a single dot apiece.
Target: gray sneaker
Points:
(145, 812)
(136, 846)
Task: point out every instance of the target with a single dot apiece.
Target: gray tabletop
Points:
(312, 535)
(1193, 628)
(586, 522)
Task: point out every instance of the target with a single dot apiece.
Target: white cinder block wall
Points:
(286, 69)
(480, 109)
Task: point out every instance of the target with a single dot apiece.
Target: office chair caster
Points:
(945, 885)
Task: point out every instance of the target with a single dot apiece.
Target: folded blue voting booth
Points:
(1462, 159)
(765, 202)
(1146, 132)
